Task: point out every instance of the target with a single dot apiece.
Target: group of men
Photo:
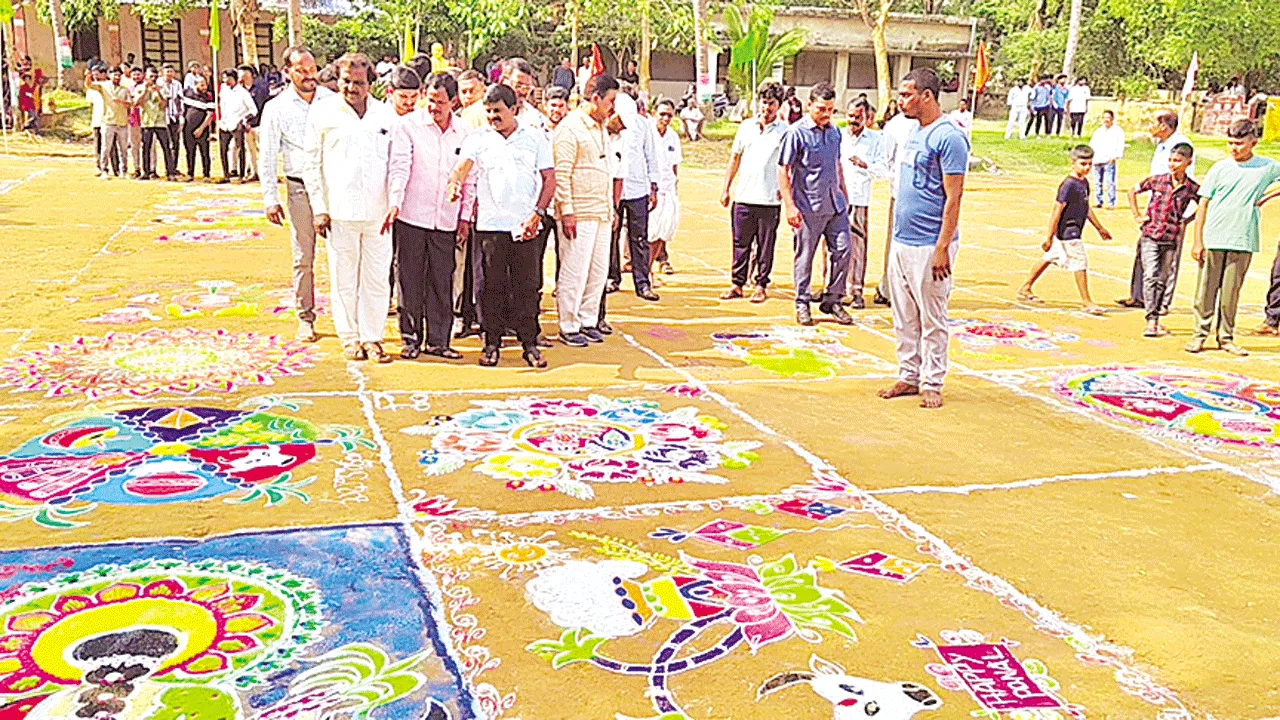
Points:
(450, 190)
(1047, 107)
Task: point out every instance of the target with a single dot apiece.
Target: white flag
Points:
(1189, 86)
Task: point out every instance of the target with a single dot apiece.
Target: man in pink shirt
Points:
(425, 147)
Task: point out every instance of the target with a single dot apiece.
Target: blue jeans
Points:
(1104, 177)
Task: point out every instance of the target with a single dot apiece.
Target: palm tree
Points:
(753, 51)
(1073, 40)
(59, 38)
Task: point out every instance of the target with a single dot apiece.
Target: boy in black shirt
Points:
(1065, 247)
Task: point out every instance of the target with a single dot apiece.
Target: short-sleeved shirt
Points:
(509, 175)
(1060, 95)
(813, 154)
(152, 108)
(1167, 207)
(116, 100)
(1073, 193)
(935, 151)
(1041, 96)
(670, 154)
(758, 147)
(1233, 189)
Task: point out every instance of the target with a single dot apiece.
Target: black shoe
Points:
(647, 294)
(605, 328)
(837, 311)
(1129, 303)
(804, 316)
(574, 339)
(592, 335)
(466, 332)
(879, 299)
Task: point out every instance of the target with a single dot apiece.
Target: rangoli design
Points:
(1007, 333)
(996, 679)
(799, 352)
(566, 445)
(854, 697)
(209, 210)
(180, 362)
(1196, 404)
(206, 237)
(160, 455)
(210, 298)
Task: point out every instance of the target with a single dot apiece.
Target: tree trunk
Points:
(59, 37)
(700, 50)
(646, 43)
(1035, 25)
(243, 14)
(876, 24)
(573, 37)
(1073, 40)
(295, 22)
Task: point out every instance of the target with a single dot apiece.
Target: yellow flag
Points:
(215, 31)
(407, 51)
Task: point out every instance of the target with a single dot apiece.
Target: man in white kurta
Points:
(664, 219)
(348, 142)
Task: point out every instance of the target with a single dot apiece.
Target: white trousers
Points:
(584, 267)
(920, 314)
(1017, 123)
(359, 284)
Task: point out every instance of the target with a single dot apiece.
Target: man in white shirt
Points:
(639, 192)
(1018, 100)
(862, 154)
(1164, 133)
(235, 107)
(895, 134)
(347, 146)
(514, 186)
(1078, 98)
(1108, 143)
(756, 204)
(97, 108)
(283, 135)
(962, 117)
(665, 218)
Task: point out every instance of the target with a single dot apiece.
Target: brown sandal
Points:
(376, 353)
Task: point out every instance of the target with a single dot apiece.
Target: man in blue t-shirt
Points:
(1059, 96)
(1041, 107)
(925, 232)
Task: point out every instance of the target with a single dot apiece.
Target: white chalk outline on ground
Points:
(8, 186)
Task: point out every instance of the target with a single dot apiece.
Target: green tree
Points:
(754, 51)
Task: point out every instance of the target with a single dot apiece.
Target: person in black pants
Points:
(197, 126)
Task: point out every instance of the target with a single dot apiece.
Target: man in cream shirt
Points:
(348, 143)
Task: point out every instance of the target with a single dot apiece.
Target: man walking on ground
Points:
(754, 201)
(584, 196)
(1227, 234)
(1164, 132)
(427, 226)
(925, 241)
(1018, 100)
(1108, 143)
(348, 141)
(235, 107)
(812, 186)
(283, 135)
(863, 159)
(515, 184)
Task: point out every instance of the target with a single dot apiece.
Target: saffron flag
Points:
(597, 60)
(981, 69)
(1193, 69)
(215, 31)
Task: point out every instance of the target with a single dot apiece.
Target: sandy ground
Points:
(1087, 529)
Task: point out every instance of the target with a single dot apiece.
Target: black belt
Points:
(290, 178)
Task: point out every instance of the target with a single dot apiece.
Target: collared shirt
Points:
(584, 174)
(813, 155)
(235, 105)
(1160, 159)
(962, 119)
(758, 148)
(639, 158)
(116, 99)
(1060, 94)
(868, 148)
(896, 134)
(933, 153)
(533, 117)
(422, 157)
(1041, 96)
(189, 81)
(1018, 96)
(670, 154)
(508, 175)
(283, 133)
(1167, 206)
(173, 90)
(346, 159)
(1108, 145)
(152, 102)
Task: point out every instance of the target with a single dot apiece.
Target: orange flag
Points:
(981, 69)
(597, 60)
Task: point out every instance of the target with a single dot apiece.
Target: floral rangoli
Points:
(1191, 403)
(1007, 333)
(569, 445)
(180, 362)
(803, 352)
(207, 237)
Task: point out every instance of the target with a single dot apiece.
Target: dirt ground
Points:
(709, 516)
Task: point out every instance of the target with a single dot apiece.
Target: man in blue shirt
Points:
(925, 233)
(811, 183)
(1059, 97)
(1041, 106)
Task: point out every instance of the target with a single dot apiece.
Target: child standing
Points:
(1227, 234)
(1172, 193)
(1065, 247)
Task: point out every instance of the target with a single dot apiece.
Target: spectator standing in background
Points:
(1078, 97)
(1059, 104)
(1108, 143)
(1018, 100)
(962, 116)
(562, 77)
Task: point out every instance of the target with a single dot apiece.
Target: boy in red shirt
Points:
(1173, 199)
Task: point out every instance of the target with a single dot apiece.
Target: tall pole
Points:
(646, 42)
(702, 77)
(573, 34)
(295, 22)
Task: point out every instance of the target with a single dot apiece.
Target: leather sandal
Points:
(533, 358)
(489, 356)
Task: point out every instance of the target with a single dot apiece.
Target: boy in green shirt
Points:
(1226, 234)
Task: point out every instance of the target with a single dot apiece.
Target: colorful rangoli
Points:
(569, 445)
(1190, 403)
(161, 455)
(211, 298)
(1007, 333)
(799, 352)
(180, 362)
(207, 237)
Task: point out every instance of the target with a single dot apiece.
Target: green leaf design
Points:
(573, 646)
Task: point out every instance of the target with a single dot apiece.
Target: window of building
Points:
(84, 43)
(162, 45)
(266, 45)
(810, 67)
(862, 71)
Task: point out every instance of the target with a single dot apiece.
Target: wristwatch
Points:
(542, 212)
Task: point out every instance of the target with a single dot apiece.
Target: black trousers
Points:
(426, 261)
(510, 297)
(754, 227)
(1077, 124)
(224, 149)
(151, 135)
(1038, 116)
(1057, 121)
(468, 308)
(194, 144)
(635, 222)
(175, 142)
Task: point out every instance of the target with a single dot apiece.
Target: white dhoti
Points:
(359, 284)
(584, 267)
(664, 218)
(920, 314)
